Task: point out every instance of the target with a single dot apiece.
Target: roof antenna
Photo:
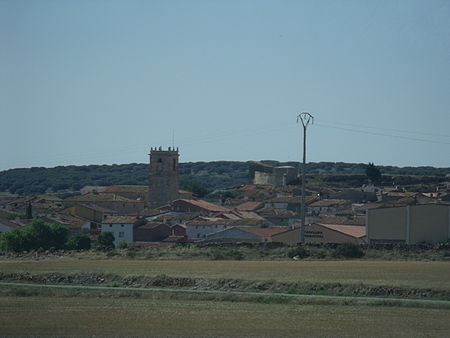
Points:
(173, 138)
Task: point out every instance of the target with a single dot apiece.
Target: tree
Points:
(105, 240)
(29, 213)
(35, 236)
(197, 189)
(373, 173)
(79, 242)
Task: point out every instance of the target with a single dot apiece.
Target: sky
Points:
(100, 82)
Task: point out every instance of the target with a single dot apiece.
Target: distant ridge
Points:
(214, 175)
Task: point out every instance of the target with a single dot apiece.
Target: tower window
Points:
(174, 164)
(160, 160)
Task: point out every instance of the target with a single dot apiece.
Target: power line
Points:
(388, 129)
(381, 134)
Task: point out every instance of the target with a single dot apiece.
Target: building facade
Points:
(163, 180)
(409, 224)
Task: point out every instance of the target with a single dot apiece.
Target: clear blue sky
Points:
(100, 82)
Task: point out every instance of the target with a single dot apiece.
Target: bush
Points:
(122, 245)
(79, 242)
(38, 235)
(105, 240)
(225, 253)
(299, 252)
(348, 250)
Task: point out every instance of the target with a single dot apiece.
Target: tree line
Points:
(213, 175)
(40, 235)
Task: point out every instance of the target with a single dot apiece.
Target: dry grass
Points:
(414, 274)
(125, 316)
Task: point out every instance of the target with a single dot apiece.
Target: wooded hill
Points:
(212, 175)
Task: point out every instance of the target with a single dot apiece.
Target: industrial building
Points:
(410, 224)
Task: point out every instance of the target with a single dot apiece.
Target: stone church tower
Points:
(163, 187)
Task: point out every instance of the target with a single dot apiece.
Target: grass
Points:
(35, 315)
(412, 274)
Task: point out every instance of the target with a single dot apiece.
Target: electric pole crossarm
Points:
(306, 119)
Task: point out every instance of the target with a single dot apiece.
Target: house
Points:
(151, 232)
(250, 206)
(355, 196)
(328, 206)
(184, 205)
(122, 205)
(158, 232)
(409, 224)
(132, 192)
(261, 173)
(121, 227)
(91, 211)
(278, 216)
(334, 233)
(235, 214)
(74, 223)
(289, 202)
(202, 226)
(245, 234)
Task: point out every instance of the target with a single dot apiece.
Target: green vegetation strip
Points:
(251, 296)
(226, 285)
(404, 275)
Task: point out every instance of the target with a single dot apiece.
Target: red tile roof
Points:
(249, 206)
(265, 232)
(204, 205)
(120, 220)
(356, 231)
(329, 203)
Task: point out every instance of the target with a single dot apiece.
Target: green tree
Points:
(197, 189)
(79, 242)
(105, 240)
(29, 213)
(35, 236)
(373, 173)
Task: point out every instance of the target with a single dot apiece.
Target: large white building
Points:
(409, 224)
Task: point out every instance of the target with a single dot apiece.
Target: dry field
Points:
(414, 274)
(174, 317)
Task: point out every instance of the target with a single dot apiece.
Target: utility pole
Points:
(305, 118)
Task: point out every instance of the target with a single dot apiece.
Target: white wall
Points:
(200, 231)
(122, 232)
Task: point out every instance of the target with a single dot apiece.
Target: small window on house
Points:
(121, 234)
(121, 225)
(160, 160)
(110, 225)
(198, 235)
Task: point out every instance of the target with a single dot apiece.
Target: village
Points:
(266, 210)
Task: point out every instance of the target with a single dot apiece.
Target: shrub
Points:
(298, 251)
(122, 245)
(348, 250)
(225, 253)
(105, 240)
(38, 235)
(79, 242)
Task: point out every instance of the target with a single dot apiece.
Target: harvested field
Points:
(89, 316)
(410, 274)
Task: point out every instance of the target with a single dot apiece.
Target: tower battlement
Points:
(163, 178)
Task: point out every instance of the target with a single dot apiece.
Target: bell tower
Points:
(163, 180)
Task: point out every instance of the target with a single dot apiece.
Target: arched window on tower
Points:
(174, 164)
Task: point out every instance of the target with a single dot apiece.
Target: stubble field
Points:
(156, 314)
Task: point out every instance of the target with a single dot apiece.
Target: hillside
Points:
(212, 175)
